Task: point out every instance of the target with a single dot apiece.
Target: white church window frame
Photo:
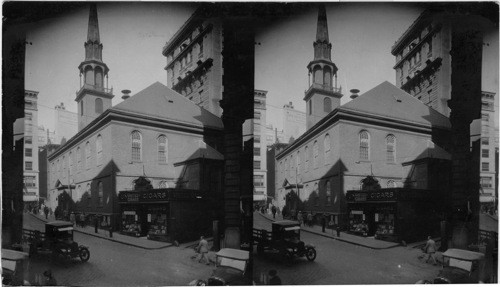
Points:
(136, 145)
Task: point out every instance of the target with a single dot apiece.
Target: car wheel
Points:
(311, 254)
(84, 254)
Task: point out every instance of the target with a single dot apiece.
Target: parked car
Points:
(459, 266)
(284, 238)
(231, 266)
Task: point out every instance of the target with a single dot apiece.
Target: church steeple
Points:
(92, 98)
(323, 96)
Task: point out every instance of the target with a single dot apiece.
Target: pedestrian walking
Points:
(273, 209)
(72, 218)
(46, 211)
(331, 224)
(300, 219)
(274, 279)
(430, 249)
(323, 223)
(309, 219)
(203, 249)
(338, 229)
(82, 219)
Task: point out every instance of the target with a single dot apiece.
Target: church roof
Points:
(159, 101)
(389, 101)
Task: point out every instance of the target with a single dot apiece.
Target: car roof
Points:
(59, 223)
(463, 254)
(234, 253)
(286, 223)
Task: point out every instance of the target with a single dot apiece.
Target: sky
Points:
(361, 34)
(133, 35)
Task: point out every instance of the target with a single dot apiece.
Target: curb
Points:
(336, 238)
(110, 239)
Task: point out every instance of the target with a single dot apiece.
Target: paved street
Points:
(117, 264)
(343, 263)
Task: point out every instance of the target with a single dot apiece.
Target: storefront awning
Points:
(486, 198)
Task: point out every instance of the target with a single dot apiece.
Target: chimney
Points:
(354, 93)
(125, 94)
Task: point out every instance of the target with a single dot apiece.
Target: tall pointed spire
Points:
(322, 31)
(93, 32)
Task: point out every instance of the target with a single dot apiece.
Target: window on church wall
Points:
(136, 146)
(98, 77)
(364, 145)
(70, 161)
(310, 107)
(390, 141)
(316, 194)
(162, 149)
(87, 155)
(315, 154)
(306, 158)
(429, 48)
(98, 148)
(298, 161)
(327, 105)
(326, 144)
(101, 193)
(286, 168)
(89, 195)
(318, 79)
(81, 107)
(328, 192)
(98, 106)
(78, 159)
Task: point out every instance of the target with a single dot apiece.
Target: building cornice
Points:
(188, 47)
(413, 27)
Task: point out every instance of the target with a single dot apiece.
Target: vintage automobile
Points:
(14, 268)
(459, 266)
(284, 238)
(231, 265)
(57, 239)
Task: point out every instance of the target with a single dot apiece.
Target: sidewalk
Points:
(140, 242)
(368, 242)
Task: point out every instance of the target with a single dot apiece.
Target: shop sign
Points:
(154, 195)
(129, 196)
(382, 195)
(360, 196)
(129, 212)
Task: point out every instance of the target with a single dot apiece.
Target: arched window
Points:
(316, 194)
(70, 161)
(286, 168)
(391, 183)
(327, 105)
(87, 155)
(326, 144)
(327, 76)
(136, 146)
(162, 149)
(306, 158)
(98, 77)
(315, 154)
(298, 161)
(390, 142)
(328, 192)
(364, 145)
(98, 149)
(98, 106)
(78, 159)
(163, 184)
(101, 193)
(318, 79)
(89, 195)
(89, 79)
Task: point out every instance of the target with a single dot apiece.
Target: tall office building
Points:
(259, 147)
(31, 172)
(294, 122)
(66, 123)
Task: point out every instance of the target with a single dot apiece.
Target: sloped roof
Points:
(388, 100)
(159, 101)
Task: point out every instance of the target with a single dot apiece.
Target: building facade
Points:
(45, 136)
(368, 139)
(273, 135)
(488, 146)
(294, 122)
(43, 152)
(128, 166)
(259, 146)
(66, 123)
(30, 157)
(194, 61)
